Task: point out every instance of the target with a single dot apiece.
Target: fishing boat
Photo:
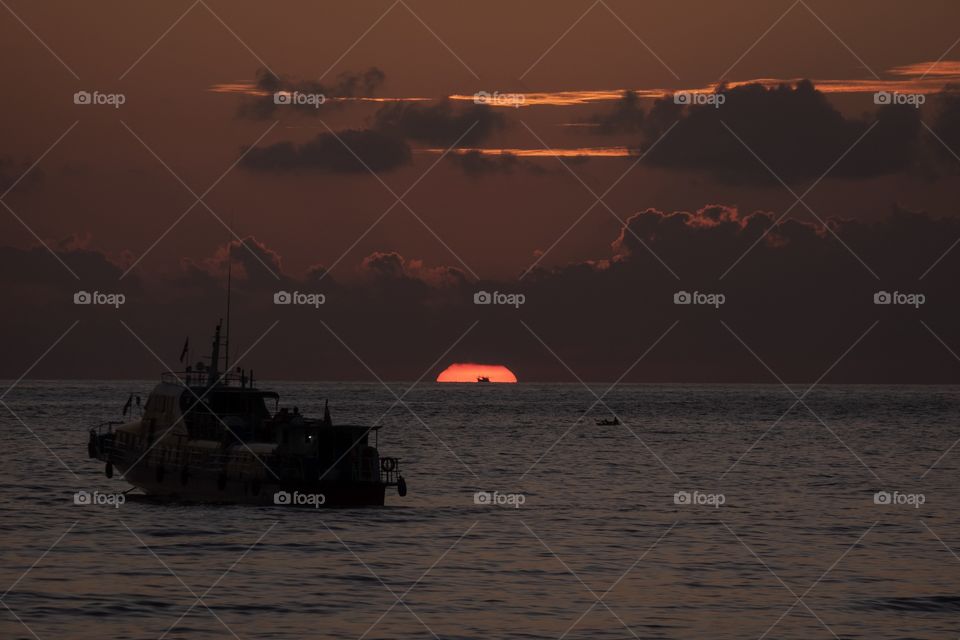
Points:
(206, 435)
(483, 379)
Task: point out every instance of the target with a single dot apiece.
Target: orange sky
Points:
(194, 132)
(160, 180)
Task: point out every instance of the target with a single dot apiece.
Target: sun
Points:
(474, 372)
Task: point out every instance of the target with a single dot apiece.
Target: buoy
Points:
(401, 486)
(108, 470)
(388, 464)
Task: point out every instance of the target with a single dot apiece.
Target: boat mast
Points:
(226, 355)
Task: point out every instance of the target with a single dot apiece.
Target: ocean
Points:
(712, 511)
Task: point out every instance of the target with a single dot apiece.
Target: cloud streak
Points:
(261, 104)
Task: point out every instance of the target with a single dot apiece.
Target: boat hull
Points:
(209, 487)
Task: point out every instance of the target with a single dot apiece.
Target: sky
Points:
(440, 150)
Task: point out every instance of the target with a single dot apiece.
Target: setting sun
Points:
(473, 372)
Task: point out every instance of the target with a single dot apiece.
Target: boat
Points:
(483, 378)
(608, 423)
(209, 436)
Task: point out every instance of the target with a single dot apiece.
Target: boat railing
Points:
(194, 378)
(106, 427)
(124, 445)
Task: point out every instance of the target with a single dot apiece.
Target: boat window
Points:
(233, 403)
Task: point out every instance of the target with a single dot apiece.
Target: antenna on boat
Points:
(226, 355)
(212, 370)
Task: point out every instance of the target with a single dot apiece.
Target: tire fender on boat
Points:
(401, 487)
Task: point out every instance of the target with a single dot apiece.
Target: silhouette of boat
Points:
(608, 423)
(209, 436)
(483, 378)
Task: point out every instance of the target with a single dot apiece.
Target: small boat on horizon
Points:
(483, 379)
(209, 436)
(608, 423)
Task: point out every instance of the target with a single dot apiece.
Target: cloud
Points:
(793, 129)
(947, 125)
(347, 85)
(350, 84)
(35, 267)
(349, 151)
(385, 146)
(255, 266)
(706, 242)
(384, 265)
(441, 124)
(474, 163)
(626, 116)
(390, 265)
(798, 297)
